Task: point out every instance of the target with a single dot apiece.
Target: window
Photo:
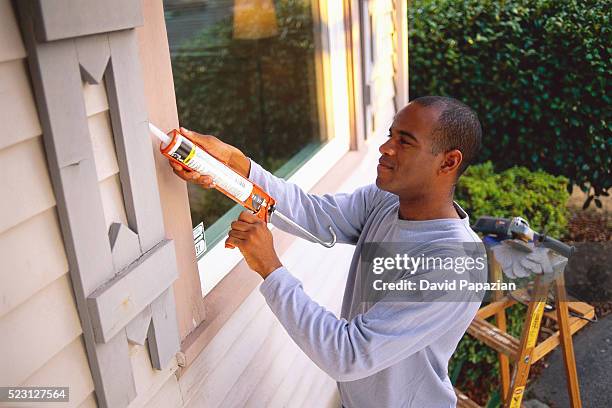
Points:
(244, 71)
(259, 74)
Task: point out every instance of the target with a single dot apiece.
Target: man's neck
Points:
(427, 209)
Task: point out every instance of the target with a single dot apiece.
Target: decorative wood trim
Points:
(141, 264)
(162, 336)
(94, 52)
(130, 127)
(60, 19)
(113, 305)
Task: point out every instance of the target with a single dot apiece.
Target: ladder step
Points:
(494, 337)
(463, 401)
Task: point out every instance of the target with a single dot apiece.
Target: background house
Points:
(100, 287)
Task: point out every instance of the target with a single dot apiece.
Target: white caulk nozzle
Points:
(165, 139)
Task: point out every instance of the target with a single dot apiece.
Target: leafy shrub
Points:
(536, 71)
(537, 196)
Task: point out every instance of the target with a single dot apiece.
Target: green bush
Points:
(536, 71)
(538, 197)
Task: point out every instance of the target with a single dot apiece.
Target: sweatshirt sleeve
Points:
(346, 213)
(370, 342)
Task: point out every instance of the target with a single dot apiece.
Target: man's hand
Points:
(224, 152)
(254, 240)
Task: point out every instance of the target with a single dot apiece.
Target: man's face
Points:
(407, 167)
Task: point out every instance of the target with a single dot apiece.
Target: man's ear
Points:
(451, 162)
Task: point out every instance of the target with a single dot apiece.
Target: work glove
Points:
(519, 259)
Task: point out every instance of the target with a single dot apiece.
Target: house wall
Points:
(41, 338)
(42, 341)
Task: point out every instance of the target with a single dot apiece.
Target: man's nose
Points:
(387, 147)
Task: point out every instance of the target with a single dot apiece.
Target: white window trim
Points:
(219, 261)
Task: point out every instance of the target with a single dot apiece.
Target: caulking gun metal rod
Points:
(303, 231)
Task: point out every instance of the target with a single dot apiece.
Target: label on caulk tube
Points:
(197, 159)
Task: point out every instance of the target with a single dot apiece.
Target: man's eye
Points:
(404, 142)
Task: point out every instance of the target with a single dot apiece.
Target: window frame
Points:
(333, 101)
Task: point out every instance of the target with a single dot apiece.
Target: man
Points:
(385, 354)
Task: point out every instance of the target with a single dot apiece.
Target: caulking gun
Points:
(188, 154)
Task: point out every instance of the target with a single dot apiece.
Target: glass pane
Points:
(244, 71)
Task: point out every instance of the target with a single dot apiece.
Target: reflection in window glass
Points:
(244, 71)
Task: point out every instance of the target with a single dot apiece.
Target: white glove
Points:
(519, 259)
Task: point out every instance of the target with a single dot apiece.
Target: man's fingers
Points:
(203, 140)
(188, 175)
(242, 235)
(206, 182)
(236, 242)
(248, 217)
(239, 225)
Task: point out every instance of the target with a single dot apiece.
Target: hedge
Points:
(537, 196)
(536, 71)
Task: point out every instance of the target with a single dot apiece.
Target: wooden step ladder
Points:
(524, 352)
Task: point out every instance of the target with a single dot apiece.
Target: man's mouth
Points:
(385, 165)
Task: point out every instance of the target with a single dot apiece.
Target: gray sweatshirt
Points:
(386, 354)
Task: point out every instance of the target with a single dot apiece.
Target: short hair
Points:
(457, 127)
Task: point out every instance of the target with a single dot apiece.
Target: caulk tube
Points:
(190, 155)
(193, 157)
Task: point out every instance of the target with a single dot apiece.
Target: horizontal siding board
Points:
(95, 98)
(25, 186)
(37, 330)
(263, 362)
(103, 144)
(153, 386)
(246, 381)
(282, 396)
(214, 387)
(11, 46)
(89, 402)
(284, 362)
(112, 201)
(216, 350)
(32, 256)
(169, 395)
(309, 377)
(18, 115)
(70, 368)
